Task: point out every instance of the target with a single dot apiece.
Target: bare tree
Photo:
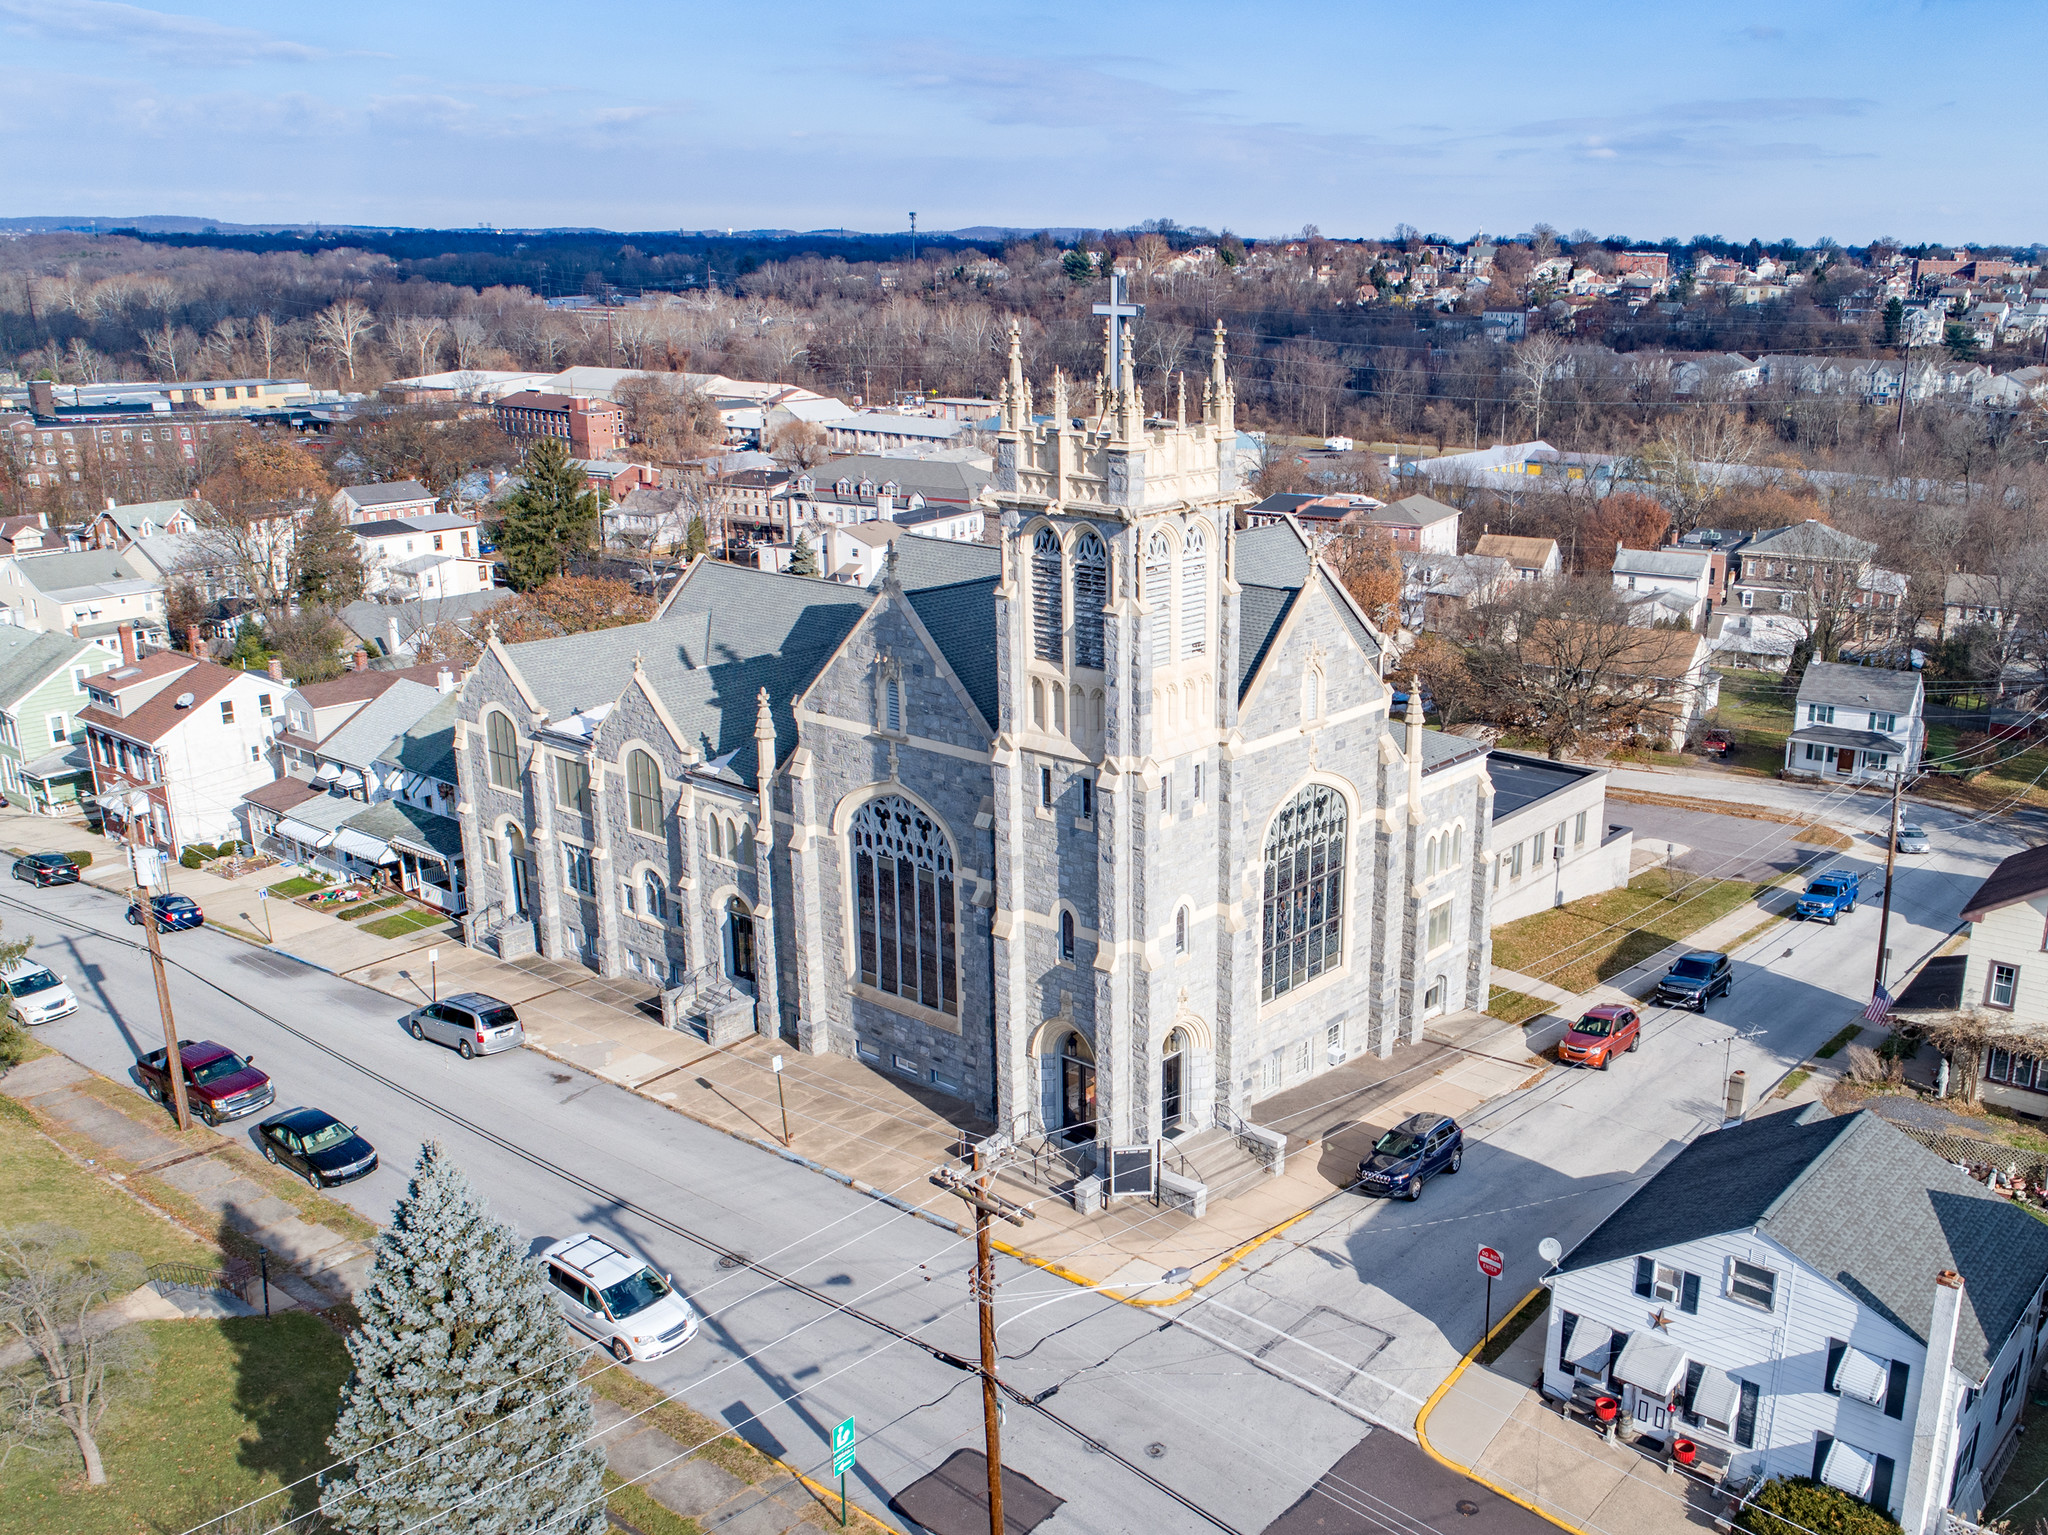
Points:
(342, 329)
(419, 336)
(52, 1300)
(1538, 362)
(263, 335)
(469, 336)
(1697, 459)
(160, 346)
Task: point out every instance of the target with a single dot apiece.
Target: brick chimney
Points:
(1923, 1510)
(127, 634)
(362, 660)
(276, 669)
(193, 641)
(42, 397)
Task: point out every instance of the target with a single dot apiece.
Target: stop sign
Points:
(1491, 1262)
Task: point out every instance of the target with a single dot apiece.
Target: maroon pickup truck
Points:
(219, 1084)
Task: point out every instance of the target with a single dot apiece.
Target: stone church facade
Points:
(1106, 828)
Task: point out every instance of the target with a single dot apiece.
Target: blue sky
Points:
(1651, 119)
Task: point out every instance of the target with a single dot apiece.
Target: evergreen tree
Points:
(251, 653)
(698, 539)
(464, 1411)
(327, 567)
(552, 516)
(803, 560)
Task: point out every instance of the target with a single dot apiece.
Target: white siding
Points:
(2012, 935)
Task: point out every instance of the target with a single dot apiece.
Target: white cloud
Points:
(160, 35)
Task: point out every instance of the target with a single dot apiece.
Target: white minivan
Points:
(617, 1298)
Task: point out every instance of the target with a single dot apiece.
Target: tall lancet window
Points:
(1159, 595)
(903, 901)
(1091, 590)
(1304, 905)
(1047, 608)
(1194, 595)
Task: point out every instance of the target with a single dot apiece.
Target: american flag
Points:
(1879, 1006)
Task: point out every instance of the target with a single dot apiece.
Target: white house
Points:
(90, 593)
(1684, 575)
(2000, 997)
(383, 503)
(1531, 559)
(424, 557)
(1810, 1296)
(1856, 723)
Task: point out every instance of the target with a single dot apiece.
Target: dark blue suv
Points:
(1415, 1150)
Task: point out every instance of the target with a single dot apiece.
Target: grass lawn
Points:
(2010, 781)
(43, 1184)
(362, 909)
(1513, 1006)
(2029, 1469)
(1590, 940)
(398, 926)
(1756, 711)
(297, 886)
(233, 1409)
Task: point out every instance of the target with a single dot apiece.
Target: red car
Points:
(1596, 1039)
(219, 1084)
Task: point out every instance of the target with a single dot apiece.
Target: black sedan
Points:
(174, 913)
(1408, 1155)
(317, 1146)
(46, 869)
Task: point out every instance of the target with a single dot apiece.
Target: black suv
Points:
(1419, 1147)
(1696, 980)
(46, 869)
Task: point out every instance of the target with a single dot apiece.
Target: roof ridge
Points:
(1797, 1181)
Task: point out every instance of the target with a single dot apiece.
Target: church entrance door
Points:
(1077, 1095)
(1170, 1082)
(521, 870)
(740, 939)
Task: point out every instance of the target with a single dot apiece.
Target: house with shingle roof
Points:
(1811, 1296)
(1855, 724)
(43, 678)
(983, 823)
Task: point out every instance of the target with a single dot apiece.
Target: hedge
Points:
(1811, 1508)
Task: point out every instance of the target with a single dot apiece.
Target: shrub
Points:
(1809, 1506)
(189, 859)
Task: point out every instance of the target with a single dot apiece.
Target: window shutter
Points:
(1895, 1390)
(1646, 1277)
(1745, 1415)
(1836, 1348)
(1881, 1485)
(1693, 1371)
(1689, 1294)
(1569, 1321)
(1822, 1443)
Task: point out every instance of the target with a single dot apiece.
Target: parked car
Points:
(1696, 980)
(1913, 839)
(46, 869)
(472, 1022)
(618, 1298)
(1596, 1039)
(1717, 743)
(219, 1084)
(1408, 1155)
(1829, 898)
(174, 913)
(40, 994)
(317, 1146)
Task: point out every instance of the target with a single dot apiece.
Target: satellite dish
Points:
(182, 701)
(1549, 1249)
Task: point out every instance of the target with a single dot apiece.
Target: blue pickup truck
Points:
(1830, 897)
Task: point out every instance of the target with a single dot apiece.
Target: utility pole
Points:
(1884, 922)
(145, 891)
(975, 1192)
(913, 236)
(1905, 383)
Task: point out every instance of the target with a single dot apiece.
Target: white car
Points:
(40, 995)
(617, 1298)
(1913, 839)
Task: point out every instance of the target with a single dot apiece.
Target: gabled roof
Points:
(28, 659)
(427, 746)
(49, 573)
(952, 589)
(1868, 1207)
(1532, 553)
(282, 794)
(390, 493)
(1680, 564)
(159, 716)
(2020, 878)
(1864, 687)
(130, 518)
(1809, 540)
(369, 733)
(1272, 565)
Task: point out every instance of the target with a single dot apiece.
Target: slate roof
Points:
(28, 659)
(130, 518)
(391, 820)
(366, 620)
(2020, 878)
(392, 492)
(952, 589)
(50, 573)
(1867, 1206)
(365, 736)
(1673, 564)
(1439, 750)
(1866, 687)
(1261, 610)
(1416, 511)
(427, 746)
(951, 480)
(1810, 540)
(1273, 555)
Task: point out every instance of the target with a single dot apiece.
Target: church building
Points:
(1106, 828)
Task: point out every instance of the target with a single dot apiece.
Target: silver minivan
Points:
(617, 1298)
(472, 1022)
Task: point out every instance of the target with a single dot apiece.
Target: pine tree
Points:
(697, 540)
(464, 1411)
(803, 559)
(552, 516)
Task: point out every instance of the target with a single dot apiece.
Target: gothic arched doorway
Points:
(1171, 1089)
(1077, 1089)
(518, 873)
(739, 940)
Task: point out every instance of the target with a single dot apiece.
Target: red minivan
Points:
(1597, 1038)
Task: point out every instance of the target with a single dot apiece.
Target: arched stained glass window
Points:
(1091, 591)
(903, 899)
(1047, 604)
(643, 792)
(1194, 595)
(1304, 903)
(502, 747)
(1159, 595)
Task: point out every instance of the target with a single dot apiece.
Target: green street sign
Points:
(842, 1448)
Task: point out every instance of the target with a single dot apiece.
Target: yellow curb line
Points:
(829, 1493)
(1233, 1257)
(1422, 1423)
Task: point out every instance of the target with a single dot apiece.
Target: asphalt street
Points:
(1223, 1413)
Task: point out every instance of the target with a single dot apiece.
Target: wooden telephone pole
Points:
(141, 854)
(983, 1287)
(1884, 922)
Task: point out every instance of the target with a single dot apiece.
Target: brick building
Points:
(590, 427)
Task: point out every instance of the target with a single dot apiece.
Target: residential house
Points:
(856, 552)
(749, 507)
(1438, 590)
(187, 736)
(389, 632)
(1808, 1296)
(42, 688)
(394, 499)
(1856, 724)
(1787, 580)
(869, 486)
(1677, 582)
(1973, 601)
(119, 526)
(1529, 559)
(1551, 840)
(1277, 507)
(29, 534)
(423, 557)
(1665, 670)
(2001, 995)
(90, 594)
(612, 480)
(1418, 523)
(648, 518)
